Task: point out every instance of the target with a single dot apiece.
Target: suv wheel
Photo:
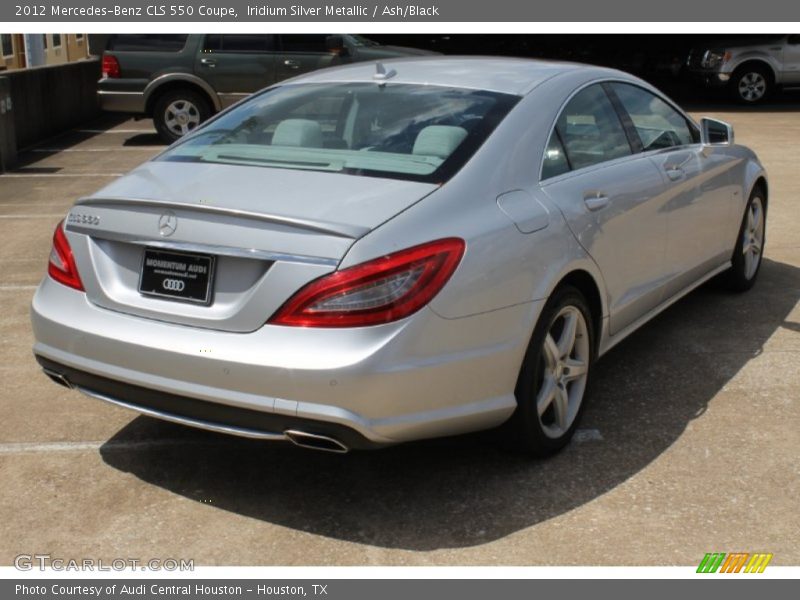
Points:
(178, 112)
(751, 85)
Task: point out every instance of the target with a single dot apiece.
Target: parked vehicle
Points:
(181, 80)
(751, 68)
(380, 253)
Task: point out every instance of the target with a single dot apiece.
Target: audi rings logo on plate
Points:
(173, 285)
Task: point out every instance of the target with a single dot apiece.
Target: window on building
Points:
(56, 40)
(7, 43)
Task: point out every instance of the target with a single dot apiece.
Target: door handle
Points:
(208, 62)
(595, 200)
(292, 64)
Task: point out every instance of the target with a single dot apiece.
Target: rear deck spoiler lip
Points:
(341, 230)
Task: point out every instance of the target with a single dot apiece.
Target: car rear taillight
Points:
(110, 66)
(379, 291)
(62, 266)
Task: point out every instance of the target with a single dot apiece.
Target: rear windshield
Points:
(402, 131)
(147, 42)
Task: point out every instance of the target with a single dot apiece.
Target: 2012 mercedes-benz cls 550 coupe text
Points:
(381, 253)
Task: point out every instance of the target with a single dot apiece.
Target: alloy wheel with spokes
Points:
(751, 84)
(748, 252)
(752, 87)
(565, 358)
(554, 377)
(179, 112)
(753, 237)
(181, 116)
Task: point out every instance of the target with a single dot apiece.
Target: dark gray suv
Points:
(181, 80)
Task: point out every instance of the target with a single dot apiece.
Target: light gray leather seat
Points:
(438, 140)
(298, 132)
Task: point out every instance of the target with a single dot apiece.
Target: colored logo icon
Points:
(739, 562)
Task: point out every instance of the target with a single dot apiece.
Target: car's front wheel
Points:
(554, 376)
(179, 112)
(751, 84)
(749, 249)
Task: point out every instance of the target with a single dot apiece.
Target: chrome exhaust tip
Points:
(314, 441)
(58, 378)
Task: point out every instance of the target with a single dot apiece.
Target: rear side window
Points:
(147, 42)
(657, 123)
(251, 43)
(555, 158)
(590, 129)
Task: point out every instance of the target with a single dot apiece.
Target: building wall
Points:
(59, 48)
(15, 60)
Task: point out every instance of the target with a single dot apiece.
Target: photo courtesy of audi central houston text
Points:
(403, 246)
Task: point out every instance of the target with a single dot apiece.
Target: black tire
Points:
(741, 277)
(525, 431)
(197, 111)
(752, 84)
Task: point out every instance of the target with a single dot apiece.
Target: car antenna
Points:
(381, 74)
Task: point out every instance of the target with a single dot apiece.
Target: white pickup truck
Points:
(751, 68)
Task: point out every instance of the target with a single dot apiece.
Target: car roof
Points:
(515, 76)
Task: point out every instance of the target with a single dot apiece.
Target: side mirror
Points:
(715, 133)
(335, 44)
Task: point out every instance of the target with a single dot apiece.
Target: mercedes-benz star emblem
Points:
(167, 223)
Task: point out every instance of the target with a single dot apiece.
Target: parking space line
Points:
(581, 435)
(55, 447)
(44, 216)
(127, 149)
(50, 175)
(15, 288)
(32, 203)
(115, 130)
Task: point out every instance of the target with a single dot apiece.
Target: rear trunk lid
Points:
(268, 232)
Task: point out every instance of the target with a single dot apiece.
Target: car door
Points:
(791, 60)
(612, 200)
(699, 192)
(301, 53)
(237, 65)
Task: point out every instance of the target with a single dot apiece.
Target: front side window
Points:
(657, 123)
(403, 131)
(591, 130)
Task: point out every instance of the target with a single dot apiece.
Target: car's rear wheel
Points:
(179, 112)
(554, 376)
(749, 249)
(751, 84)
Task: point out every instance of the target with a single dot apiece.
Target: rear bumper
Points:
(199, 413)
(419, 378)
(125, 102)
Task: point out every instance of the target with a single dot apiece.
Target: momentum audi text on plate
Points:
(380, 253)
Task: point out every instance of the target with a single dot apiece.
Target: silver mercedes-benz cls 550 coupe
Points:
(380, 253)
